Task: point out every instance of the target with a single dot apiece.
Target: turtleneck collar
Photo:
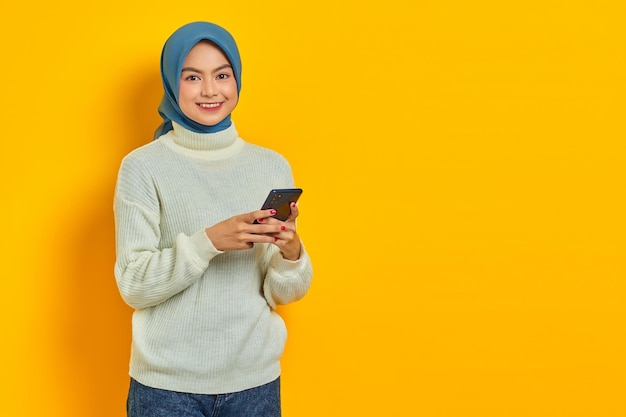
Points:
(213, 146)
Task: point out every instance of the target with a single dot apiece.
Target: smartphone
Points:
(280, 201)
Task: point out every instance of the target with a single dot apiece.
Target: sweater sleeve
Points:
(286, 281)
(147, 274)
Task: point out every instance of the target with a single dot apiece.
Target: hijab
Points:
(174, 53)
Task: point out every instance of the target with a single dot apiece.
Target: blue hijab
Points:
(174, 53)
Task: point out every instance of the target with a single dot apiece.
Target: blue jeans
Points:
(263, 401)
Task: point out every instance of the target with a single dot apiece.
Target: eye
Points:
(192, 78)
(222, 76)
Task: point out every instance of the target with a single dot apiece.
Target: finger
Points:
(269, 220)
(259, 216)
(286, 233)
(294, 212)
(268, 227)
(261, 238)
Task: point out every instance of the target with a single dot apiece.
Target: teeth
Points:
(209, 105)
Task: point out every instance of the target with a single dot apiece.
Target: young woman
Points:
(203, 267)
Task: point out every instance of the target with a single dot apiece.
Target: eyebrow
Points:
(192, 69)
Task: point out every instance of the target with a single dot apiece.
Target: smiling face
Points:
(208, 90)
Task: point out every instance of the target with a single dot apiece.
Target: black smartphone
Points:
(280, 201)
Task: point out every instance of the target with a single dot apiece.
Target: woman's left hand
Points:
(287, 239)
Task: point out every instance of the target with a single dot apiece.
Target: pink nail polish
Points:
(273, 212)
(275, 239)
(283, 228)
(293, 204)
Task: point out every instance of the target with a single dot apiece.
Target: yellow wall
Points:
(463, 167)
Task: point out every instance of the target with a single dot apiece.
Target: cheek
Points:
(186, 100)
(233, 92)
(184, 93)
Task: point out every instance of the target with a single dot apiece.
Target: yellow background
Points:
(463, 168)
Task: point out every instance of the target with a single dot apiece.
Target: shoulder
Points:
(149, 158)
(268, 164)
(145, 153)
(139, 167)
(265, 153)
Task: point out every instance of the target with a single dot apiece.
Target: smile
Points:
(209, 105)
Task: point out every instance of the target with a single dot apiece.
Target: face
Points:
(208, 89)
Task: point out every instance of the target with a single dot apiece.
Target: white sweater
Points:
(204, 320)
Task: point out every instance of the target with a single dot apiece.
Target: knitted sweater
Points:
(204, 320)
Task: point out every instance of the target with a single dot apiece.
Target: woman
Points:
(203, 267)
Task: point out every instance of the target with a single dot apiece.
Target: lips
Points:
(209, 106)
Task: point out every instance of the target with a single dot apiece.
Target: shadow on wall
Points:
(98, 324)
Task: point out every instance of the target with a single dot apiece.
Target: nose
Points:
(208, 88)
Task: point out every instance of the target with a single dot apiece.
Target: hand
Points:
(240, 232)
(287, 238)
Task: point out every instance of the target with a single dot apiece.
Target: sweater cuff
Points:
(287, 267)
(203, 246)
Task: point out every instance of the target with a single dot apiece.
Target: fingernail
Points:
(293, 204)
(260, 220)
(273, 211)
(283, 228)
(275, 239)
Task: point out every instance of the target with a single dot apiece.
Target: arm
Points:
(147, 274)
(289, 271)
(286, 281)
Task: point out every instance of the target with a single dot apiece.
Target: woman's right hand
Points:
(241, 232)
